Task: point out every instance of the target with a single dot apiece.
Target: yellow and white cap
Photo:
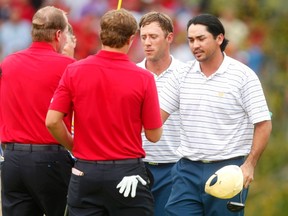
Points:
(226, 183)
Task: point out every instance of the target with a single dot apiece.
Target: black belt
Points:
(33, 147)
(107, 162)
(218, 161)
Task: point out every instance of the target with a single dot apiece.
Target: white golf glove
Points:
(129, 183)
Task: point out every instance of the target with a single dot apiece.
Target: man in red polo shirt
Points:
(112, 100)
(36, 170)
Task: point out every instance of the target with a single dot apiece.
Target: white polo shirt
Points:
(218, 112)
(164, 151)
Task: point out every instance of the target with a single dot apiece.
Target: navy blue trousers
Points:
(162, 185)
(188, 197)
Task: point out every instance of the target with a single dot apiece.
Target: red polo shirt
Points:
(112, 99)
(29, 79)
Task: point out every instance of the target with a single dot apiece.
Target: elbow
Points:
(50, 124)
(54, 124)
(154, 140)
(154, 135)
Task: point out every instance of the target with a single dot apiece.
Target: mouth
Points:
(148, 51)
(197, 54)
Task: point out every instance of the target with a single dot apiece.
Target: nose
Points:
(147, 41)
(195, 44)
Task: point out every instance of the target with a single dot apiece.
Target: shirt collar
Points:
(113, 55)
(42, 45)
(222, 69)
(171, 67)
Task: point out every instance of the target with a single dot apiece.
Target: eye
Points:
(201, 38)
(190, 40)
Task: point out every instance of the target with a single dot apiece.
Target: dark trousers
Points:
(95, 193)
(35, 183)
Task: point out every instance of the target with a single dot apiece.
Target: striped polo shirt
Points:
(217, 113)
(164, 151)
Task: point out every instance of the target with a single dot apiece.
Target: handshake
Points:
(129, 184)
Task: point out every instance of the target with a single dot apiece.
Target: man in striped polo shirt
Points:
(224, 120)
(156, 33)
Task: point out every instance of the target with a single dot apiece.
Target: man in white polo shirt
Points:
(224, 120)
(156, 33)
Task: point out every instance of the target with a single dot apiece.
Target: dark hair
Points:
(213, 24)
(117, 26)
(165, 22)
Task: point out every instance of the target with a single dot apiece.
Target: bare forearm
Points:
(58, 129)
(153, 135)
(261, 136)
(62, 135)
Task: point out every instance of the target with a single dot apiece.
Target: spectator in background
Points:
(26, 7)
(255, 55)
(236, 30)
(15, 33)
(4, 11)
(95, 7)
(87, 34)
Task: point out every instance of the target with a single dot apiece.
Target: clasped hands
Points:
(129, 184)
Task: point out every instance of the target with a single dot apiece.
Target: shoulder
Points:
(85, 62)
(239, 68)
(143, 72)
(237, 65)
(66, 58)
(185, 67)
(142, 63)
(11, 58)
(176, 63)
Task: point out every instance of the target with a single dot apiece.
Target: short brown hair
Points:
(164, 21)
(117, 26)
(46, 21)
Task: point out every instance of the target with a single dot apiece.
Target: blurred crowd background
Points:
(258, 34)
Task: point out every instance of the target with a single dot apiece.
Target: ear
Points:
(170, 37)
(130, 40)
(58, 35)
(220, 39)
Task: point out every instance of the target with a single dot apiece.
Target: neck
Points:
(211, 65)
(123, 49)
(55, 46)
(158, 66)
